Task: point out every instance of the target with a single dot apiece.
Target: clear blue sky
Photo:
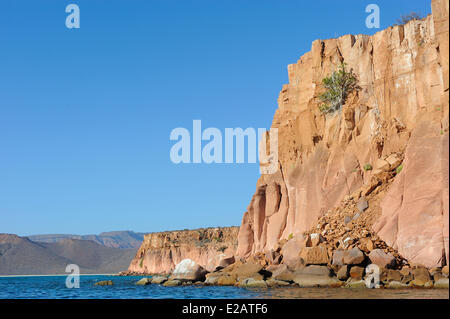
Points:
(85, 115)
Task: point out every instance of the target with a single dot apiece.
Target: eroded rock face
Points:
(401, 109)
(208, 247)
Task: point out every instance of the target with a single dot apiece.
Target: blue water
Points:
(54, 287)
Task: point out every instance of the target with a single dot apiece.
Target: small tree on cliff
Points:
(337, 87)
(405, 18)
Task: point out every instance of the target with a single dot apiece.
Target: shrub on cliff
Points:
(405, 18)
(337, 87)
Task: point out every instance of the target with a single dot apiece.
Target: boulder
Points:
(405, 271)
(306, 281)
(441, 283)
(347, 219)
(276, 283)
(144, 282)
(283, 273)
(247, 270)
(445, 270)
(314, 255)
(188, 270)
(338, 257)
(353, 256)
(342, 274)
(315, 276)
(396, 285)
(356, 284)
(394, 275)
(252, 283)
(421, 284)
(356, 273)
(212, 278)
(407, 275)
(438, 275)
(172, 283)
(394, 160)
(362, 204)
(316, 239)
(104, 283)
(158, 279)
(421, 277)
(367, 244)
(314, 270)
(380, 258)
(226, 280)
(382, 165)
(291, 250)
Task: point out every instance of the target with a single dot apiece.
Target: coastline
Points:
(55, 275)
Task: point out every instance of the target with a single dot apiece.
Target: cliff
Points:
(115, 239)
(399, 115)
(161, 252)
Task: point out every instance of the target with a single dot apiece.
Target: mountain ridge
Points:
(22, 256)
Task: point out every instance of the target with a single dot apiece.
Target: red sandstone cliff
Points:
(161, 252)
(402, 109)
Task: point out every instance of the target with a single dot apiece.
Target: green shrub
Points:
(337, 87)
(222, 249)
(405, 18)
(291, 235)
(141, 262)
(399, 169)
(367, 167)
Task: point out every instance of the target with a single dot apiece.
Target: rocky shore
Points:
(347, 272)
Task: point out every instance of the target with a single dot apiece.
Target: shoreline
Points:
(54, 275)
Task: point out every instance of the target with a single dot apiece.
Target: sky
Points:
(86, 114)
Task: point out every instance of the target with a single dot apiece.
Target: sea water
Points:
(54, 287)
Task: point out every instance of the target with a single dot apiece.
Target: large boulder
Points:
(422, 277)
(283, 273)
(144, 282)
(188, 270)
(246, 270)
(394, 275)
(315, 276)
(356, 273)
(338, 257)
(343, 273)
(380, 258)
(441, 283)
(353, 256)
(172, 283)
(226, 280)
(252, 283)
(159, 279)
(317, 255)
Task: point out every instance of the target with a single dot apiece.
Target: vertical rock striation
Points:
(401, 108)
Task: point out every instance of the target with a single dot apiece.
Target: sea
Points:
(124, 287)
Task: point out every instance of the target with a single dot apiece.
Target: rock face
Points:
(401, 111)
(208, 247)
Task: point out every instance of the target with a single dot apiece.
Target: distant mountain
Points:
(22, 256)
(115, 239)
